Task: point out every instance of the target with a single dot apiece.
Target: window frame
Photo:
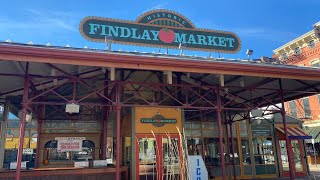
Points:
(315, 63)
(297, 50)
(307, 112)
(293, 113)
(313, 44)
(285, 56)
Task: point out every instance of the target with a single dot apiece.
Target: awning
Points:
(314, 132)
(295, 133)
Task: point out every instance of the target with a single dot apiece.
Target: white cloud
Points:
(40, 21)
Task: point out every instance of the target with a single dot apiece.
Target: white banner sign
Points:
(197, 168)
(69, 145)
(13, 165)
(27, 151)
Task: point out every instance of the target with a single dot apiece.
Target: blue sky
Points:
(262, 25)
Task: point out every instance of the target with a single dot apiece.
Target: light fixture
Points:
(182, 46)
(249, 53)
(108, 40)
(210, 55)
(72, 108)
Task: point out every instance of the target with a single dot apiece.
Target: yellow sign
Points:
(142, 113)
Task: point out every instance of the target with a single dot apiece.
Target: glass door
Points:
(284, 156)
(299, 168)
(157, 157)
(297, 155)
(147, 158)
(170, 158)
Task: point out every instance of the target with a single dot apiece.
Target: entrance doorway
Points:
(298, 156)
(158, 157)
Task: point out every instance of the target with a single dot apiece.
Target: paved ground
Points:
(314, 174)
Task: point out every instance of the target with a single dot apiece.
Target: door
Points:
(297, 152)
(158, 157)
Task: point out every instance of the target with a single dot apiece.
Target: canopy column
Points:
(118, 110)
(220, 135)
(288, 143)
(23, 121)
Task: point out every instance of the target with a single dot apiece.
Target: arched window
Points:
(312, 44)
(297, 50)
(52, 155)
(315, 63)
(285, 56)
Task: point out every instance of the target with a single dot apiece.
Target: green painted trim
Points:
(133, 144)
(253, 163)
(4, 130)
(275, 140)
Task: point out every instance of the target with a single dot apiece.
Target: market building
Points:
(304, 51)
(79, 112)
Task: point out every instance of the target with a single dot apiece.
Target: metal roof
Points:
(14, 84)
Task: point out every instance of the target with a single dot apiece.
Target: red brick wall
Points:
(305, 58)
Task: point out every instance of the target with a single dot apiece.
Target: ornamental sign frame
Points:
(159, 28)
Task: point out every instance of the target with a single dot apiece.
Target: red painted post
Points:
(118, 109)
(232, 149)
(105, 118)
(220, 135)
(23, 121)
(288, 142)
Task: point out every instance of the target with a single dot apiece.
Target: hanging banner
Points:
(159, 28)
(197, 168)
(65, 145)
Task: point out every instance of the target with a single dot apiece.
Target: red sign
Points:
(69, 145)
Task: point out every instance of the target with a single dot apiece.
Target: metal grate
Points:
(166, 23)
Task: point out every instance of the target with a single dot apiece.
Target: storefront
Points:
(313, 145)
(130, 115)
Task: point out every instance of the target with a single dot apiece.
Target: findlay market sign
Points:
(159, 28)
(158, 120)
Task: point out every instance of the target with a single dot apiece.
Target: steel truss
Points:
(114, 95)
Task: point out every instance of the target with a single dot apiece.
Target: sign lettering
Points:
(158, 120)
(160, 28)
(260, 130)
(197, 168)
